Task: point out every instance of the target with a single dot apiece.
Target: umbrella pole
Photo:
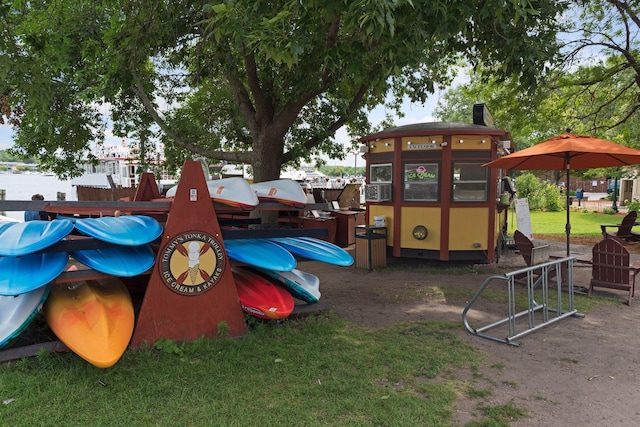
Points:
(568, 226)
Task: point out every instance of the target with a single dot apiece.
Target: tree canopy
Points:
(592, 90)
(600, 81)
(251, 81)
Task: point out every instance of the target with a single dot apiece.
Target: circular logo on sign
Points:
(192, 263)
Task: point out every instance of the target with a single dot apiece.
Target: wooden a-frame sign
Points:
(147, 188)
(191, 292)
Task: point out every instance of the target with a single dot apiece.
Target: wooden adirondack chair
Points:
(611, 268)
(624, 233)
(532, 254)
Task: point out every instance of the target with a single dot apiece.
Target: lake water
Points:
(23, 186)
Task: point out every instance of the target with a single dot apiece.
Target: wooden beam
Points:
(31, 350)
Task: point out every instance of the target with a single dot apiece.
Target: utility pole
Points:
(355, 163)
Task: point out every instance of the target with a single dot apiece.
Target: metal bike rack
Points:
(537, 276)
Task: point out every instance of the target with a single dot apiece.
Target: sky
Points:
(5, 137)
(414, 113)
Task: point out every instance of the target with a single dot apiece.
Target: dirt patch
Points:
(578, 371)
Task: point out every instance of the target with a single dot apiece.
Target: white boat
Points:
(317, 179)
(234, 191)
(118, 166)
(285, 191)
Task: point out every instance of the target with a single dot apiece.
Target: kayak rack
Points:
(553, 276)
(167, 311)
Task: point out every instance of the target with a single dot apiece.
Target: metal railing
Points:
(555, 276)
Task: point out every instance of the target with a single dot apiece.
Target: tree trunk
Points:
(267, 164)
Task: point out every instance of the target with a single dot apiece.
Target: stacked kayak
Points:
(95, 319)
(269, 268)
(25, 272)
(234, 192)
(17, 312)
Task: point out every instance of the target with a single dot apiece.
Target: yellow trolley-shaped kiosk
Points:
(426, 183)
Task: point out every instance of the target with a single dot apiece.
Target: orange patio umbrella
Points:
(566, 152)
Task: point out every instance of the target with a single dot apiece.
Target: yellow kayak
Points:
(95, 319)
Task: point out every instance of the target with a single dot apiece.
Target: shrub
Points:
(536, 201)
(608, 211)
(527, 184)
(541, 195)
(552, 200)
(633, 205)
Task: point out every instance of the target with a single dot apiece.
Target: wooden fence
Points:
(86, 193)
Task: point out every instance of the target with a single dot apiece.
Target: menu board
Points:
(523, 217)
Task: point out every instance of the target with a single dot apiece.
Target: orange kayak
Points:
(94, 319)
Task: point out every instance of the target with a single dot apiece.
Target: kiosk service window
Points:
(470, 182)
(421, 182)
(381, 173)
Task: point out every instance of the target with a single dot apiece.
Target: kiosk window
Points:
(381, 173)
(469, 182)
(421, 182)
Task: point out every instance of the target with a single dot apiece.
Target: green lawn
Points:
(314, 372)
(582, 223)
(318, 371)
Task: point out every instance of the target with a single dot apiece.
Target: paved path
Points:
(562, 246)
(595, 202)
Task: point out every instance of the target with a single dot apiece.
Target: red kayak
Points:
(260, 297)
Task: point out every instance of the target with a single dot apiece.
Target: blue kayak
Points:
(127, 230)
(315, 249)
(260, 253)
(23, 238)
(19, 275)
(300, 284)
(124, 261)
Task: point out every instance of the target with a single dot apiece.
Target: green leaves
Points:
(248, 79)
